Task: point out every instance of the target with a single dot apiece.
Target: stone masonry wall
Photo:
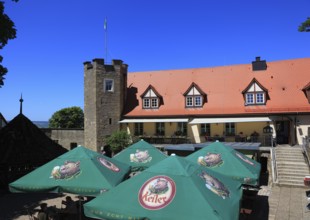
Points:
(102, 109)
(66, 137)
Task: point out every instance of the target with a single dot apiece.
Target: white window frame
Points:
(198, 100)
(250, 98)
(255, 98)
(146, 103)
(189, 101)
(154, 103)
(107, 83)
(193, 101)
(262, 97)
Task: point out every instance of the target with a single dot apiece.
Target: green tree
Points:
(305, 26)
(72, 117)
(7, 32)
(118, 141)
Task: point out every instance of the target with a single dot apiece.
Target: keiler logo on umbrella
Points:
(66, 171)
(157, 192)
(108, 164)
(210, 160)
(140, 157)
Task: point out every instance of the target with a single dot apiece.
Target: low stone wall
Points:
(68, 138)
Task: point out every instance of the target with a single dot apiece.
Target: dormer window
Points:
(306, 90)
(255, 94)
(255, 98)
(151, 99)
(150, 102)
(194, 96)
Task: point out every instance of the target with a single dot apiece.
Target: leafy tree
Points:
(7, 32)
(72, 117)
(305, 26)
(118, 141)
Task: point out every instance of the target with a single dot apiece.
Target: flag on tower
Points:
(105, 24)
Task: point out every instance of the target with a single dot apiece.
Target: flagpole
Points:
(106, 38)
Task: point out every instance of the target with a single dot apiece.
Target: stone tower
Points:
(104, 97)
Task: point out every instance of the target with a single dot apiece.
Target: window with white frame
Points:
(253, 98)
(249, 98)
(198, 100)
(255, 95)
(150, 100)
(260, 98)
(193, 98)
(154, 102)
(146, 103)
(109, 85)
(189, 101)
(194, 101)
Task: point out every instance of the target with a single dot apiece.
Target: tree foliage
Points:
(72, 117)
(7, 32)
(118, 141)
(305, 26)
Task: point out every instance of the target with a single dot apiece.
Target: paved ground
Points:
(288, 203)
(15, 206)
(273, 203)
(279, 203)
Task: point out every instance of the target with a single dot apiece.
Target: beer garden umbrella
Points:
(229, 162)
(79, 171)
(140, 156)
(174, 188)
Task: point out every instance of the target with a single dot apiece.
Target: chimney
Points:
(259, 64)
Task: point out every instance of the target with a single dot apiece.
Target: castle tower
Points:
(104, 97)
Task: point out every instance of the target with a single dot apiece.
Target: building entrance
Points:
(283, 132)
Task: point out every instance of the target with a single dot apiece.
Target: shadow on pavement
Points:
(255, 209)
(17, 204)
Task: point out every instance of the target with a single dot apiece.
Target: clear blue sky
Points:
(55, 37)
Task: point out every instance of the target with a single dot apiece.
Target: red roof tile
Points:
(223, 85)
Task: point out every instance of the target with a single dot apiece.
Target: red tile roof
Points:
(223, 85)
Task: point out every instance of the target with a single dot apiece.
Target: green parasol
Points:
(229, 162)
(174, 188)
(140, 156)
(79, 171)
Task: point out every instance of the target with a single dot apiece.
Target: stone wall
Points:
(68, 138)
(103, 109)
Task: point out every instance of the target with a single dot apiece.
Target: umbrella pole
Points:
(80, 208)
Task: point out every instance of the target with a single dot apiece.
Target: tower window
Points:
(109, 85)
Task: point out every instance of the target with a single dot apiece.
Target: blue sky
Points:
(55, 37)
